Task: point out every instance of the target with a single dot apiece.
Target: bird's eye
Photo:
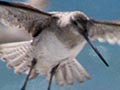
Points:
(78, 24)
(83, 21)
(74, 22)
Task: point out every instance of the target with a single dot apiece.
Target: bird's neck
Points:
(68, 38)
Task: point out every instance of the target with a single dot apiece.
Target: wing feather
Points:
(60, 77)
(105, 31)
(24, 17)
(18, 55)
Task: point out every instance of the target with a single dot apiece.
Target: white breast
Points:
(49, 51)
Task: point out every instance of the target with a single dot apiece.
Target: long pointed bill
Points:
(95, 49)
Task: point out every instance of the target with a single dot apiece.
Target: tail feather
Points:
(69, 75)
(76, 74)
(69, 71)
(81, 69)
(59, 76)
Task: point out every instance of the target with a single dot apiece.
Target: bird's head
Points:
(79, 21)
(75, 22)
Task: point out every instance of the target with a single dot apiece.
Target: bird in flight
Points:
(56, 39)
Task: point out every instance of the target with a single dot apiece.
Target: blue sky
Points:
(102, 78)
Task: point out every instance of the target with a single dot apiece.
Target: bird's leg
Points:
(53, 71)
(85, 35)
(33, 63)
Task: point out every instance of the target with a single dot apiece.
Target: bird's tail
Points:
(69, 71)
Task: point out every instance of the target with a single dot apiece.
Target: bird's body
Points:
(50, 48)
(54, 45)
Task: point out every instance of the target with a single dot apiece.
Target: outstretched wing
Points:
(7, 35)
(18, 55)
(24, 17)
(105, 31)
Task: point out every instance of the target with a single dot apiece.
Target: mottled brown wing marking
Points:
(23, 6)
(24, 17)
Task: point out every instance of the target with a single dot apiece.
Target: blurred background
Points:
(103, 78)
